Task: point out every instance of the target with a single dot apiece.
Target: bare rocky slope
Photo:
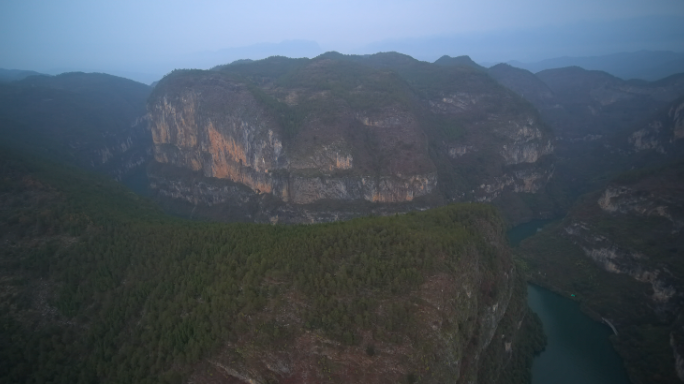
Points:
(299, 140)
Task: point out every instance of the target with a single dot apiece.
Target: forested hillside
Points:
(93, 120)
(98, 285)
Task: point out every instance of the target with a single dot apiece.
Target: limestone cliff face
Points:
(603, 124)
(303, 143)
(528, 181)
(645, 203)
(238, 144)
(663, 133)
(525, 145)
(225, 133)
(528, 143)
(614, 258)
(503, 152)
(657, 199)
(679, 360)
(384, 189)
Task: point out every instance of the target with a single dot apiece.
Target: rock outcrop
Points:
(662, 134)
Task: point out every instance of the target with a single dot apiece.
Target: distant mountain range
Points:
(7, 75)
(645, 65)
(588, 38)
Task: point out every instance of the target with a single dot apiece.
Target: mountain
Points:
(618, 249)
(594, 102)
(464, 60)
(8, 75)
(97, 285)
(593, 113)
(337, 136)
(287, 48)
(619, 252)
(537, 42)
(93, 120)
(644, 65)
(524, 83)
(659, 137)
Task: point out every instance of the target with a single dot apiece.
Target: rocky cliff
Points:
(385, 129)
(619, 251)
(661, 135)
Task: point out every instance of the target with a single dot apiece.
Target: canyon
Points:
(618, 251)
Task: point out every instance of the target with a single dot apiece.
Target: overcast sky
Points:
(147, 36)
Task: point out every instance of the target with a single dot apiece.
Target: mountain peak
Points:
(463, 60)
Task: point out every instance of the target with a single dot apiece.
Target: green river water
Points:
(578, 349)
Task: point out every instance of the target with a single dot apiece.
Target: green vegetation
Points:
(74, 107)
(331, 84)
(369, 83)
(99, 286)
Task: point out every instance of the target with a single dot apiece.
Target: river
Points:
(578, 349)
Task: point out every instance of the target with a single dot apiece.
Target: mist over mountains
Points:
(224, 192)
(528, 45)
(271, 139)
(644, 65)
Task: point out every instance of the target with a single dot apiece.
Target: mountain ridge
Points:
(644, 65)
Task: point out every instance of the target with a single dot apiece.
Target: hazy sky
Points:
(148, 36)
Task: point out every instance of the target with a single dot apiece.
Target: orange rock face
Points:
(236, 143)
